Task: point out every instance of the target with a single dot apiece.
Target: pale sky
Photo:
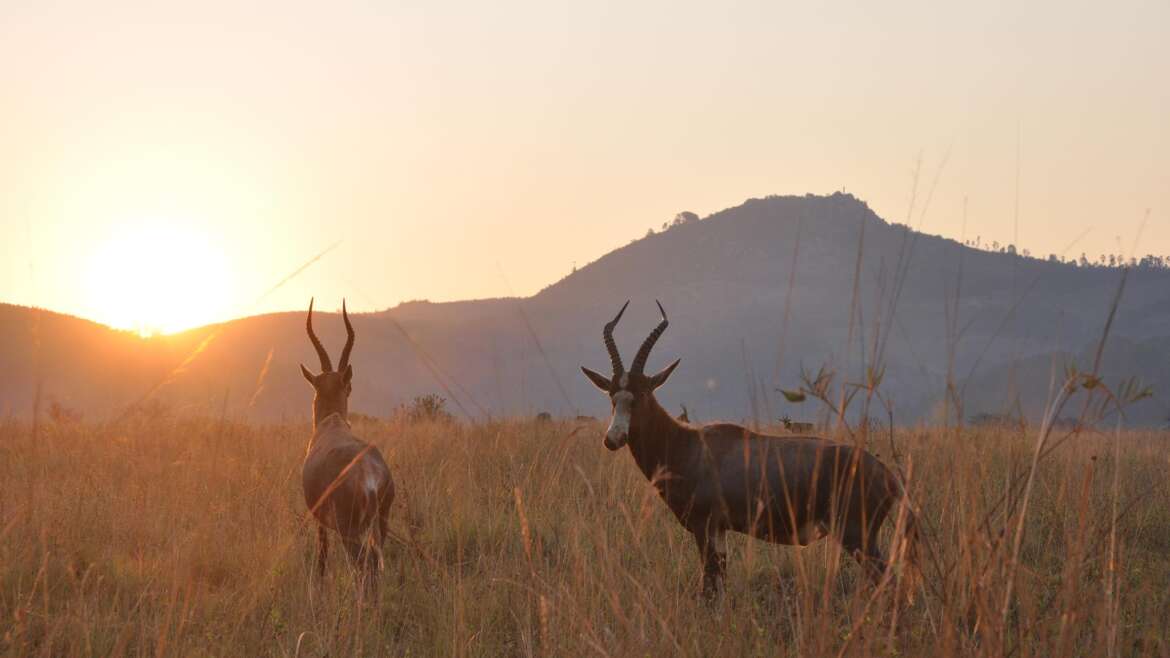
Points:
(469, 149)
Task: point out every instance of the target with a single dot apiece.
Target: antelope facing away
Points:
(720, 477)
(347, 484)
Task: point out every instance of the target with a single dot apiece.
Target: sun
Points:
(158, 277)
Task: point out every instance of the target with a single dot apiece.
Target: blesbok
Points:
(796, 427)
(346, 482)
(722, 477)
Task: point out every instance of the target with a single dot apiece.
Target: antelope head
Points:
(331, 387)
(631, 393)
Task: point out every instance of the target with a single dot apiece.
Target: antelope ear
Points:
(308, 375)
(660, 378)
(347, 376)
(599, 380)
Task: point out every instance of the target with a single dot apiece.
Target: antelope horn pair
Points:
(639, 363)
(326, 364)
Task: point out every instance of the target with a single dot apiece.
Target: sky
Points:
(164, 165)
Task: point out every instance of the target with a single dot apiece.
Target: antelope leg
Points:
(713, 555)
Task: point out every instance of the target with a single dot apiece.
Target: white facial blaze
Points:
(619, 426)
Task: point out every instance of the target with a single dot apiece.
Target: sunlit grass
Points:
(187, 537)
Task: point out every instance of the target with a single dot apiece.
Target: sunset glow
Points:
(466, 150)
(157, 277)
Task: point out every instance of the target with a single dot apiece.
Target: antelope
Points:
(346, 482)
(722, 477)
(794, 426)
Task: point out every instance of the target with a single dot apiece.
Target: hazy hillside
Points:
(1032, 378)
(724, 280)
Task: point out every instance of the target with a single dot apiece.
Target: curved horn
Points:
(648, 344)
(348, 340)
(326, 364)
(615, 359)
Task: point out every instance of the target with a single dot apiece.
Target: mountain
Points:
(724, 280)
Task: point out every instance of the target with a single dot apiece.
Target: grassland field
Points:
(188, 537)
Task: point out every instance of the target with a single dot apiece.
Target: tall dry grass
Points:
(187, 537)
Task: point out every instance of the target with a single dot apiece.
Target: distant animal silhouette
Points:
(347, 484)
(684, 417)
(796, 427)
(722, 477)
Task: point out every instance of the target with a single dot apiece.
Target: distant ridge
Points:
(723, 279)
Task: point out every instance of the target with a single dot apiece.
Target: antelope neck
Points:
(657, 439)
